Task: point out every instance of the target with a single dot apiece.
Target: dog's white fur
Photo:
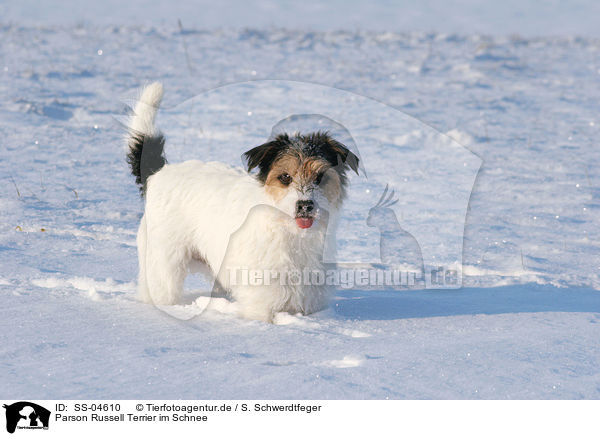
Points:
(212, 215)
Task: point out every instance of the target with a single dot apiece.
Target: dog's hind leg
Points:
(143, 294)
(163, 273)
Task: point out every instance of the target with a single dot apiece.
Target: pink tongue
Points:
(304, 223)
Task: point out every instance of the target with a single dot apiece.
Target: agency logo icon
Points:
(26, 415)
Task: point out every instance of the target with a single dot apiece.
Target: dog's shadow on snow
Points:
(389, 305)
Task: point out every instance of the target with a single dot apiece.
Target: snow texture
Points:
(526, 323)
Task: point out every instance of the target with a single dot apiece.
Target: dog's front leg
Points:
(255, 302)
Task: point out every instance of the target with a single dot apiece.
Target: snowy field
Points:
(525, 324)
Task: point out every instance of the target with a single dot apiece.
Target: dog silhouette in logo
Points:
(30, 412)
(396, 246)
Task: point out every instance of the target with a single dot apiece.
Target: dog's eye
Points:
(285, 178)
(319, 178)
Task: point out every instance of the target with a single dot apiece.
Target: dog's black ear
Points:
(346, 156)
(336, 153)
(264, 155)
(343, 156)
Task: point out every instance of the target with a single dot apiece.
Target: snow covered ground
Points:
(525, 324)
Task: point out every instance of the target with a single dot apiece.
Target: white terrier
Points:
(225, 220)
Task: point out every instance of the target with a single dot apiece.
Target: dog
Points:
(272, 216)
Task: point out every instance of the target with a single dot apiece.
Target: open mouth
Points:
(304, 222)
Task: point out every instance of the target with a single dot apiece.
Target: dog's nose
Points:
(304, 207)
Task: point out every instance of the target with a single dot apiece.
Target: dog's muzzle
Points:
(305, 213)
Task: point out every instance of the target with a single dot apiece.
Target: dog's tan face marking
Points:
(295, 170)
(332, 187)
(287, 164)
(304, 175)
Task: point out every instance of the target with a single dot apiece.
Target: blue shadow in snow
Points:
(388, 305)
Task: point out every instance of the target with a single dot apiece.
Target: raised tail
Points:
(146, 143)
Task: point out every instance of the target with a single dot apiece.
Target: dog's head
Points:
(303, 174)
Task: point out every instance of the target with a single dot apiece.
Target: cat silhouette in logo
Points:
(30, 412)
(397, 247)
